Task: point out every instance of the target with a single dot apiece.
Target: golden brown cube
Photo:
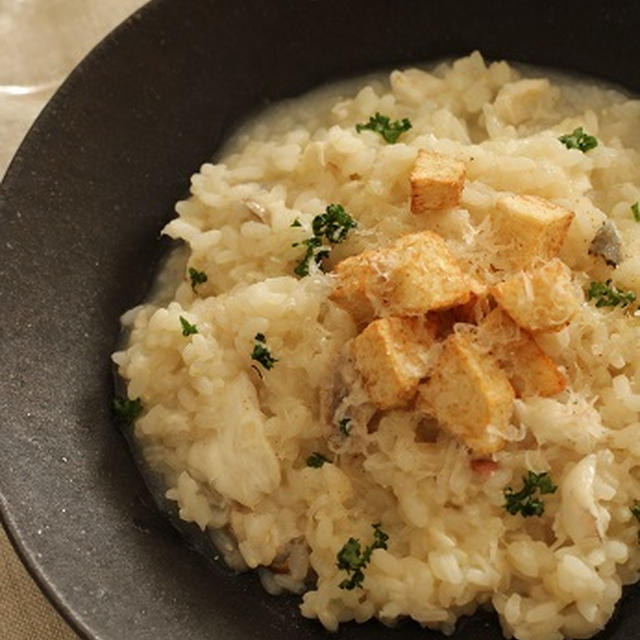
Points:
(423, 276)
(436, 182)
(392, 355)
(469, 395)
(412, 276)
(530, 370)
(353, 286)
(527, 227)
(540, 299)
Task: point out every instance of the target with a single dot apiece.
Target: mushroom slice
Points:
(607, 244)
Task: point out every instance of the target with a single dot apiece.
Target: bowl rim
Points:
(93, 58)
(95, 55)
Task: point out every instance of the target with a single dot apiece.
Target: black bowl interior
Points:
(81, 208)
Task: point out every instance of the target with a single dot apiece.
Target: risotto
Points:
(398, 368)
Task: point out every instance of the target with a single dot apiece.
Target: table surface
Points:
(40, 42)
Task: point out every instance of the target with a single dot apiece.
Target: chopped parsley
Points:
(352, 559)
(316, 460)
(188, 329)
(635, 510)
(313, 252)
(579, 139)
(127, 410)
(635, 211)
(345, 427)
(333, 225)
(261, 354)
(196, 277)
(607, 295)
(296, 223)
(525, 501)
(389, 130)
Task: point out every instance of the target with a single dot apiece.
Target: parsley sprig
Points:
(316, 460)
(333, 225)
(579, 139)
(127, 410)
(389, 130)
(260, 352)
(635, 211)
(353, 559)
(188, 329)
(607, 295)
(525, 501)
(312, 252)
(196, 277)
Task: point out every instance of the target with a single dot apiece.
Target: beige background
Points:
(40, 42)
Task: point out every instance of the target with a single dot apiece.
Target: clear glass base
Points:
(42, 40)
(40, 43)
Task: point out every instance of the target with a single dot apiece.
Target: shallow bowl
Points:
(81, 208)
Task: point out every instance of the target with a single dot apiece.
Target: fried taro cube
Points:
(436, 182)
(392, 355)
(469, 395)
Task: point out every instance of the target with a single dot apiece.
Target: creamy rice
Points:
(231, 440)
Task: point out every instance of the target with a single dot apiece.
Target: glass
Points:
(42, 40)
(40, 43)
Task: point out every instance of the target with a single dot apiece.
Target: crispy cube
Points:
(412, 276)
(530, 370)
(423, 276)
(436, 182)
(469, 395)
(354, 282)
(533, 373)
(527, 227)
(540, 299)
(392, 355)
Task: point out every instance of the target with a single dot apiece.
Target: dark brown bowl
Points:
(81, 208)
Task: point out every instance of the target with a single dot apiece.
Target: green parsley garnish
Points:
(296, 223)
(606, 295)
(261, 354)
(196, 277)
(353, 560)
(635, 211)
(333, 225)
(578, 139)
(188, 329)
(523, 501)
(635, 510)
(390, 131)
(316, 460)
(311, 253)
(127, 410)
(345, 427)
